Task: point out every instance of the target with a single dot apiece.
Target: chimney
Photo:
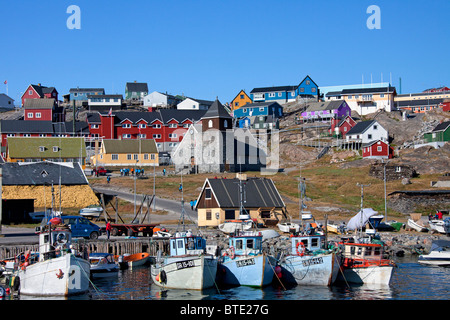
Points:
(39, 84)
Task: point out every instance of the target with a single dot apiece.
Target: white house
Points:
(6, 102)
(367, 131)
(369, 100)
(105, 100)
(158, 99)
(194, 104)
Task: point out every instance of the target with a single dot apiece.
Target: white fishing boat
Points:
(58, 272)
(439, 254)
(438, 226)
(310, 262)
(288, 227)
(231, 226)
(363, 260)
(187, 266)
(103, 265)
(92, 211)
(416, 225)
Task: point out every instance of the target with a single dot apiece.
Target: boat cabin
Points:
(185, 243)
(54, 243)
(308, 243)
(246, 243)
(362, 250)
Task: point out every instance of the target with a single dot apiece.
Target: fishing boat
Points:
(58, 272)
(416, 225)
(288, 227)
(103, 264)
(92, 211)
(439, 254)
(187, 266)
(231, 226)
(244, 263)
(310, 261)
(137, 259)
(363, 260)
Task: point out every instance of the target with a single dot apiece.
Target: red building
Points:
(341, 125)
(39, 92)
(42, 110)
(445, 106)
(377, 149)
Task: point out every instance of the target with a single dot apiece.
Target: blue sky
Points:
(205, 49)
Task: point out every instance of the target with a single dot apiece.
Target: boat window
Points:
(174, 246)
(305, 242)
(377, 251)
(180, 243)
(199, 243)
(239, 244)
(368, 251)
(190, 244)
(314, 242)
(250, 243)
(359, 251)
(352, 250)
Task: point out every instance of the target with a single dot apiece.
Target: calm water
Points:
(411, 281)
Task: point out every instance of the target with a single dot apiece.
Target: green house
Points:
(136, 90)
(440, 133)
(54, 149)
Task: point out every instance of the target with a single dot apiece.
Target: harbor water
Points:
(410, 281)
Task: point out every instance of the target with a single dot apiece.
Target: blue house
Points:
(81, 94)
(307, 88)
(259, 115)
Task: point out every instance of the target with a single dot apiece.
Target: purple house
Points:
(318, 111)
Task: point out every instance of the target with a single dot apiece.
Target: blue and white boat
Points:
(188, 266)
(244, 263)
(310, 262)
(103, 264)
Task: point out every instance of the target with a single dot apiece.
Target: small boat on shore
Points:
(288, 227)
(231, 226)
(103, 264)
(92, 211)
(416, 225)
(439, 254)
(438, 226)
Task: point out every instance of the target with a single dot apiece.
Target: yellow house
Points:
(126, 153)
(220, 200)
(240, 100)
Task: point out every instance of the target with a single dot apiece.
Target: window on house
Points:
(242, 96)
(26, 135)
(142, 135)
(379, 148)
(172, 125)
(114, 157)
(94, 126)
(30, 92)
(41, 149)
(30, 114)
(210, 124)
(271, 95)
(152, 156)
(128, 156)
(126, 136)
(225, 123)
(280, 94)
(307, 82)
(207, 193)
(136, 156)
(42, 135)
(142, 126)
(369, 136)
(156, 136)
(208, 215)
(236, 104)
(157, 126)
(38, 114)
(375, 127)
(302, 89)
(145, 156)
(172, 135)
(350, 97)
(55, 149)
(126, 125)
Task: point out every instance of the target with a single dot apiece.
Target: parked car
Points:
(102, 171)
(82, 227)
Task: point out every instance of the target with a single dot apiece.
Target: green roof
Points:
(30, 147)
(130, 146)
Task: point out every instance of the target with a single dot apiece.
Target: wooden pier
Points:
(115, 247)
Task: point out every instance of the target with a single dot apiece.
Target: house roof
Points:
(86, 90)
(119, 96)
(130, 146)
(39, 103)
(29, 147)
(368, 144)
(387, 89)
(180, 115)
(137, 86)
(22, 126)
(6, 96)
(259, 192)
(308, 77)
(216, 110)
(442, 126)
(40, 173)
(274, 89)
(418, 102)
(67, 127)
(326, 105)
(261, 104)
(242, 92)
(361, 127)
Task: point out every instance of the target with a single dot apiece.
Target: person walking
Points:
(108, 179)
(108, 229)
(192, 204)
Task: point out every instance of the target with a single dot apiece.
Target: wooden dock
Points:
(115, 247)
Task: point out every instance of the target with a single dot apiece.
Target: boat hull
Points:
(414, 225)
(439, 259)
(189, 272)
(380, 275)
(287, 227)
(253, 271)
(63, 276)
(320, 270)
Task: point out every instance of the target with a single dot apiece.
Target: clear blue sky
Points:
(215, 48)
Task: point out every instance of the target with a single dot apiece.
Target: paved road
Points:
(172, 207)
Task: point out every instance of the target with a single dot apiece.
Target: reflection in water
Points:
(411, 281)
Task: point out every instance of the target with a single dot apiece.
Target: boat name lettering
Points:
(313, 261)
(246, 262)
(185, 264)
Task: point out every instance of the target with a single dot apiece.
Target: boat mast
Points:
(362, 206)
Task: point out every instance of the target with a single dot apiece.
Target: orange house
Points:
(240, 100)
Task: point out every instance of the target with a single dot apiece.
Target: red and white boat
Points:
(363, 262)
